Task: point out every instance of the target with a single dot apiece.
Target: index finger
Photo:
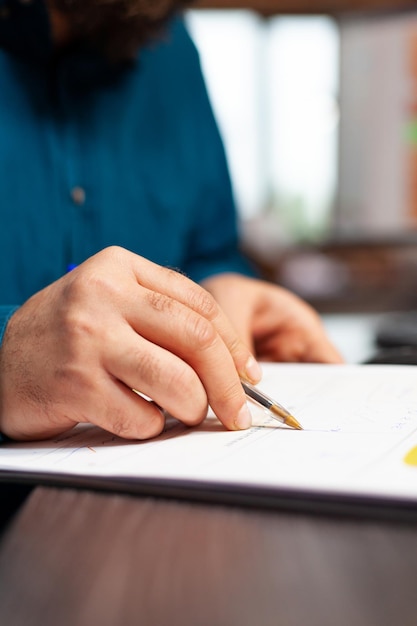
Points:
(180, 288)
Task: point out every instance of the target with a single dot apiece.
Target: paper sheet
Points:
(359, 438)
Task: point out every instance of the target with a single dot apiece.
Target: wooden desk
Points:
(82, 558)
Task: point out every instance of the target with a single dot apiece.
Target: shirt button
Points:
(78, 195)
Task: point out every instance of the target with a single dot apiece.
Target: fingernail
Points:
(244, 418)
(253, 370)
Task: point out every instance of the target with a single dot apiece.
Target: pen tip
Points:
(285, 417)
(291, 421)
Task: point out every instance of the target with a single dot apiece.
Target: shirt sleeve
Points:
(214, 239)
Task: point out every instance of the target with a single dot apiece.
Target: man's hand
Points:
(273, 322)
(75, 351)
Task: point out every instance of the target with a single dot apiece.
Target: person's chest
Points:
(83, 168)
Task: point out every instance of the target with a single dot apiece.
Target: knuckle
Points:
(159, 301)
(144, 425)
(77, 289)
(111, 254)
(90, 288)
(202, 334)
(203, 302)
(121, 425)
(174, 273)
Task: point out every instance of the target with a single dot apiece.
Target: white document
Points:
(359, 441)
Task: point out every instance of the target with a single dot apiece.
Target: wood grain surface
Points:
(75, 558)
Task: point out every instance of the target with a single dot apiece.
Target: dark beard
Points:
(118, 28)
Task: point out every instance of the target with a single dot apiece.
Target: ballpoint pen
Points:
(275, 409)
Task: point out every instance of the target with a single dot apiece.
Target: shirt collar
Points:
(25, 28)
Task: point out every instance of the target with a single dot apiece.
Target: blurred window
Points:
(274, 88)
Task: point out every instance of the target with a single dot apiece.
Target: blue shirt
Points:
(93, 155)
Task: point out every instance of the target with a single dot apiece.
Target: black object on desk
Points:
(396, 339)
(401, 355)
(398, 329)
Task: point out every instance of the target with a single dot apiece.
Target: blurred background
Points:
(317, 104)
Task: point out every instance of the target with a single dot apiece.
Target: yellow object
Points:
(411, 457)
